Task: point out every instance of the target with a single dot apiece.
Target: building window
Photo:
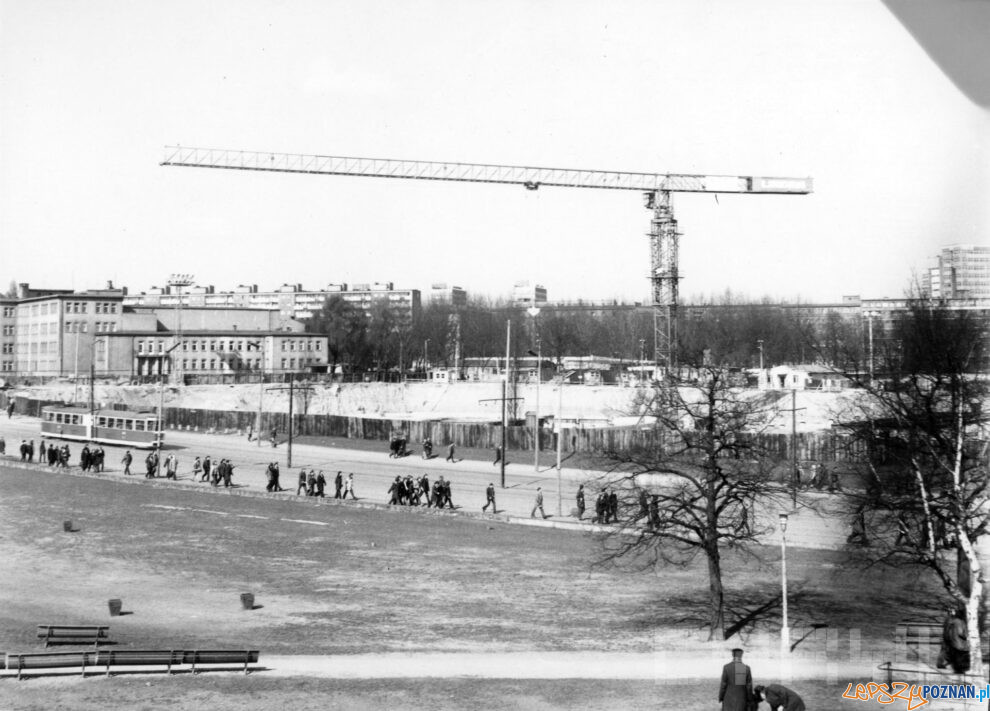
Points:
(192, 345)
(84, 327)
(283, 364)
(202, 364)
(140, 346)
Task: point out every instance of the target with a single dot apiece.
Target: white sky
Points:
(91, 92)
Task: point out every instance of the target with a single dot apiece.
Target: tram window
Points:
(128, 424)
(101, 422)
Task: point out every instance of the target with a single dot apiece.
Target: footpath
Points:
(814, 522)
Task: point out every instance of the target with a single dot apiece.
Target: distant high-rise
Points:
(963, 272)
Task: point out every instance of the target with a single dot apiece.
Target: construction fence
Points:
(811, 447)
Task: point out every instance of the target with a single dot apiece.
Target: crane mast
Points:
(656, 187)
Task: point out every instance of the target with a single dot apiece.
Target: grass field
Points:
(332, 579)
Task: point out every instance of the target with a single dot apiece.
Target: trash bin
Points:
(115, 607)
(247, 601)
(67, 526)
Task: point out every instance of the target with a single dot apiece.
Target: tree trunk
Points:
(716, 594)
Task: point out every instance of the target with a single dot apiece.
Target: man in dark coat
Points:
(579, 500)
(736, 690)
(490, 495)
(779, 697)
(338, 484)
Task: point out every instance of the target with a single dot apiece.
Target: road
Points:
(374, 471)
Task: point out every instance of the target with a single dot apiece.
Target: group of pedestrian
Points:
(737, 693)
(27, 451)
(606, 506)
(57, 456)
(311, 484)
(407, 491)
(89, 458)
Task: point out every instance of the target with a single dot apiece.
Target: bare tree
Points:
(923, 422)
(694, 488)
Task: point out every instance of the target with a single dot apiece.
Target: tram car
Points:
(124, 427)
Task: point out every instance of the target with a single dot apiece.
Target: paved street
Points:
(374, 471)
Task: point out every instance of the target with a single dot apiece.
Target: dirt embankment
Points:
(591, 406)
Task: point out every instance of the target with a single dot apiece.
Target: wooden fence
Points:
(813, 446)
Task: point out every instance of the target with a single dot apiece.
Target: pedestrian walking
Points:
(301, 488)
(450, 453)
(321, 484)
(538, 504)
(197, 469)
(207, 464)
(338, 484)
(579, 500)
(311, 483)
(349, 486)
(613, 506)
(498, 455)
(126, 461)
(490, 495)
(274, 437)
(735, 693)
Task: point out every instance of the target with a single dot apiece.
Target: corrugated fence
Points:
(814, 446)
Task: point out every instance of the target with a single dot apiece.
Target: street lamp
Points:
(260, 345)
(869, 320)
(785, 632)
(534, 312)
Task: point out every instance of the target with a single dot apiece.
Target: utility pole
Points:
(534, 312)
(505, 386)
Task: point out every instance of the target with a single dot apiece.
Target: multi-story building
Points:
(524, 295)
(291, 300)
(440, 293)
(8, 328)
(962, 272)
(62, 333)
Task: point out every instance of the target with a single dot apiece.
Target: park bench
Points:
(105, 660)
(916, 649)
(73, 634)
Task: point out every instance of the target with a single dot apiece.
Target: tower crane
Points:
(656, 189)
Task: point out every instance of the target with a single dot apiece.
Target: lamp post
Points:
(869, 321)
(426, 357)
(785, 632)
(534, 312)
(759, 345)
(260, 345)
(161, 409)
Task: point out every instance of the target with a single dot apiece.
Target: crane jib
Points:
(529, 177)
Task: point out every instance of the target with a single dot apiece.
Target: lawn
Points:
(331, 579)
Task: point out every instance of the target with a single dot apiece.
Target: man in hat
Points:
(736, 689)
(779, 697)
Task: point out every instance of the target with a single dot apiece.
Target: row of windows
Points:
(248, 364)
(124, 423)
(304, 345)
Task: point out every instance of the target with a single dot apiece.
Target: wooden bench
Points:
(105, 659)
(73, 634)
(920, 641)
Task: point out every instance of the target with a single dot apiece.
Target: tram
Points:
(124, 427)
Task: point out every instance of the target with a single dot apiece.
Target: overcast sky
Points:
(839, 91)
